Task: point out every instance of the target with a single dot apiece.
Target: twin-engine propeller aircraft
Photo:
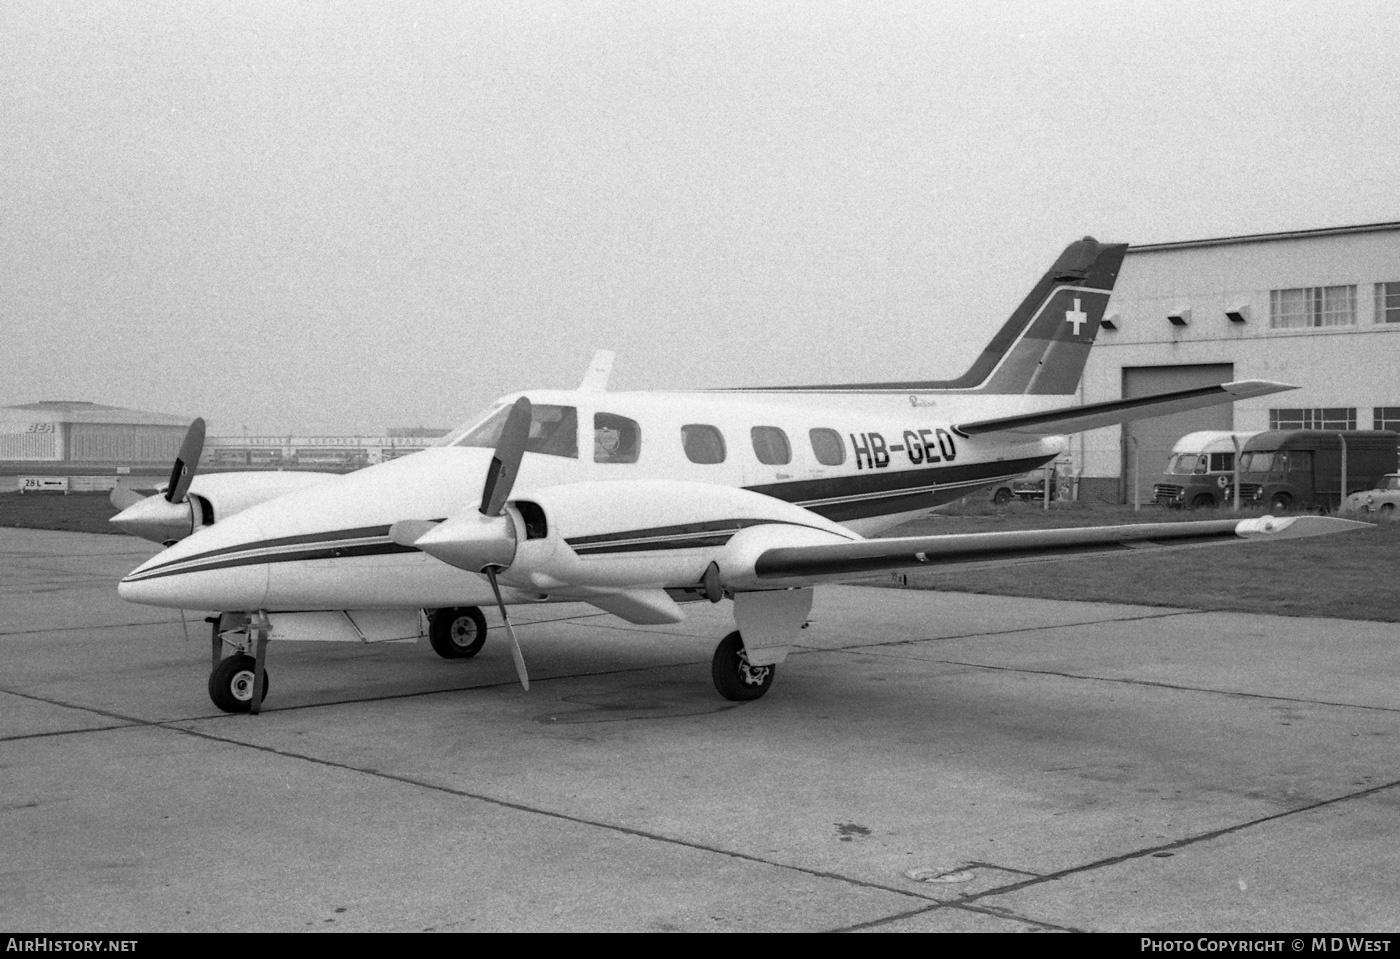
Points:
(637, 502)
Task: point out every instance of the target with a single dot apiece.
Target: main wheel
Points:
(1002, 496)
(1387, 509)
(1280, 503)
(231, 684)
(457, 633)
(735, 679)
(1203, 501)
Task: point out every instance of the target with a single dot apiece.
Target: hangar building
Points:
(84, 445)
(1319, 309)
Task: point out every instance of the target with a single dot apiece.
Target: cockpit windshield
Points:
(553, 430)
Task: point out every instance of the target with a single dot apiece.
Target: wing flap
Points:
(843, 559)
(1092, 416)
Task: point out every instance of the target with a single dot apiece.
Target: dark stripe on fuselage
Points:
(327, 552)
(680, 536)
(894, 492)
(881, 493)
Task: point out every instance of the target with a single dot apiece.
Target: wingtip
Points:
(1296, 527)
(1244, 389)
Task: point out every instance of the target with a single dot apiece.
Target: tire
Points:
(231, 683)
(1204, 501)
(1280, 503)
(1002, 496)
(1388, 509)
(735, 679)
(457, 633)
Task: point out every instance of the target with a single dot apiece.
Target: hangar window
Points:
(703, 444)
(771, 446)
(1385, 418)
(827, 446)
(1312, 306)
(1388, 302)
(1317, 418)
(616, 439)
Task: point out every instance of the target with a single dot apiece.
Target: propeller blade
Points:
(183, 472)
(515, 653)
(510, 449)
(123, 498)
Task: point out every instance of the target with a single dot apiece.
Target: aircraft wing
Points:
(828, 561)
(1092, 416)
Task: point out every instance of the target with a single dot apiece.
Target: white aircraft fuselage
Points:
(888, 457)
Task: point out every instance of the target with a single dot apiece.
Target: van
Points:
(1200, 468)
(1302, 469)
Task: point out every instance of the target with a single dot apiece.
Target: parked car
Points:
(1383, 499)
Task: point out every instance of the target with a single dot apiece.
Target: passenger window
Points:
(771, 446)
(616, 439)
(827, 446)
(703, 444)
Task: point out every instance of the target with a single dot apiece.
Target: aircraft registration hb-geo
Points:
(638, 502)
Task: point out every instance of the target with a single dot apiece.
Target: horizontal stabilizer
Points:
(839, 559)
(1092, 416)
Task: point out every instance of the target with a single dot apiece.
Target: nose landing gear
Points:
(239, 683)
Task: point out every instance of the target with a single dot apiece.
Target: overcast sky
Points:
(336, 217)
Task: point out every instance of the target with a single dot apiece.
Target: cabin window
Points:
(828, 446)
(616, 439)
(553, 430)
(703, 444)
(771, 446)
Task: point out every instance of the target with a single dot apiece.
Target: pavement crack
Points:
(1156, 684)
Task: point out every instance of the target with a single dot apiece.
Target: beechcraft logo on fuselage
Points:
(921, 446)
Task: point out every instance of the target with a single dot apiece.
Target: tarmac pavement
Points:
(1053, 765)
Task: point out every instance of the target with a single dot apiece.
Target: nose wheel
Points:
(232, 681)
(736, 680)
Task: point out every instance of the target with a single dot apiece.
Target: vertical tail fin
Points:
(1044, 345)
(1042, 348)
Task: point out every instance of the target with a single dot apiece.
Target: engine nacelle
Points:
(651, 534)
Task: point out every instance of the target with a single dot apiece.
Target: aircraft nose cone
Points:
(217, 569)
(155, 519)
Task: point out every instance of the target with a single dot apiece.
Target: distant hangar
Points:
(70, 439)
(1319, 309)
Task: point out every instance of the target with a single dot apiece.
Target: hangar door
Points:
(1156, 437)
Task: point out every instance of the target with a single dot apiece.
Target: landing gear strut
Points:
(735, 679)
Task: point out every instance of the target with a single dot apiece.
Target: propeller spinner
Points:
(164, 519)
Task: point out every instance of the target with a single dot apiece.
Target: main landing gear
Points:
(735, 679)
(457, 633)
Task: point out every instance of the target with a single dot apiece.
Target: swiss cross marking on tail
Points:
(1076, 316)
